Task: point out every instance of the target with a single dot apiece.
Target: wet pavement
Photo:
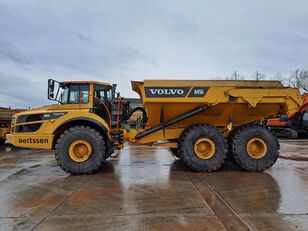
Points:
(146, 188)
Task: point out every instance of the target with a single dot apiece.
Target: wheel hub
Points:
(204, 148)
(256, 148)
(80, 150)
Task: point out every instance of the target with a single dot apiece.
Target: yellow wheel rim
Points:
(256, 148)
(204, 148)
(80, 150)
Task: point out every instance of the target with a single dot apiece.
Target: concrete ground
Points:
(146, 188)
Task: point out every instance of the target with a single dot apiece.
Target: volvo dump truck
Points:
(5, 122)
(200, 121)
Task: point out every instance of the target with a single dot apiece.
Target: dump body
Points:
(230, 102)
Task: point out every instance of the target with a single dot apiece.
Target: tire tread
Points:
(72, 130)
(185, 158)
(236, 136)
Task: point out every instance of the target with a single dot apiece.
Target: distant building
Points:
(134, 102)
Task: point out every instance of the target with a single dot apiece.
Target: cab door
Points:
(102, 95)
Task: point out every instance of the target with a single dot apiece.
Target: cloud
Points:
(120, 41)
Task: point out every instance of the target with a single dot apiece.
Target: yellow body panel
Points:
(40, 141)
(3, 132)
(89, 82)
(49, 127)
(5, 120)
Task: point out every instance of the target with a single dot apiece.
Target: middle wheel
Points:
(202, 148)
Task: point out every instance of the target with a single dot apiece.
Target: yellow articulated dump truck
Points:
(5, 122)
(200, 121)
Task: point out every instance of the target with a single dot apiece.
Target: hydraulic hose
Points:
(144, 116)
(173, 121)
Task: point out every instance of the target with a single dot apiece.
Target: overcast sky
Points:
(119, 41)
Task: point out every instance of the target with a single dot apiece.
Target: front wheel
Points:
(80, 150)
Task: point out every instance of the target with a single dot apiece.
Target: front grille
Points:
(28, 128)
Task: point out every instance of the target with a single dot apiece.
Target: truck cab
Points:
(78, 126)
(85, 103)
(82, 94)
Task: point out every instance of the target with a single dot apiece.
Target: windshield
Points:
(68, 93)
(63, 95)
(74, 94)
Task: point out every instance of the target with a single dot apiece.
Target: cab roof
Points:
(88, 82)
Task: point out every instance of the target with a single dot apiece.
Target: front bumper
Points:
(30, 141)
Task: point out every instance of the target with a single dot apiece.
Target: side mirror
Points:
(51, 88)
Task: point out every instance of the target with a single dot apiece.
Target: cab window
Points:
(305, 116)
(75, 94)
(103, 92)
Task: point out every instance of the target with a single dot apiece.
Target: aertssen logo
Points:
(32, 141)
(168, 92)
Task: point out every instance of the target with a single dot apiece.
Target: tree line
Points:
(297, 78)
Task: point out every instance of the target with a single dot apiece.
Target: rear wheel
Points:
(202, 148)
(175, 152)
(2, 141)
(80, 150)
(254, 148)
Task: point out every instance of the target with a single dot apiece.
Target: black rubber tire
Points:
(2, 141)
(97, 158)
(186, 148)
(239, 153)
(175, 152)
(229, 140)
